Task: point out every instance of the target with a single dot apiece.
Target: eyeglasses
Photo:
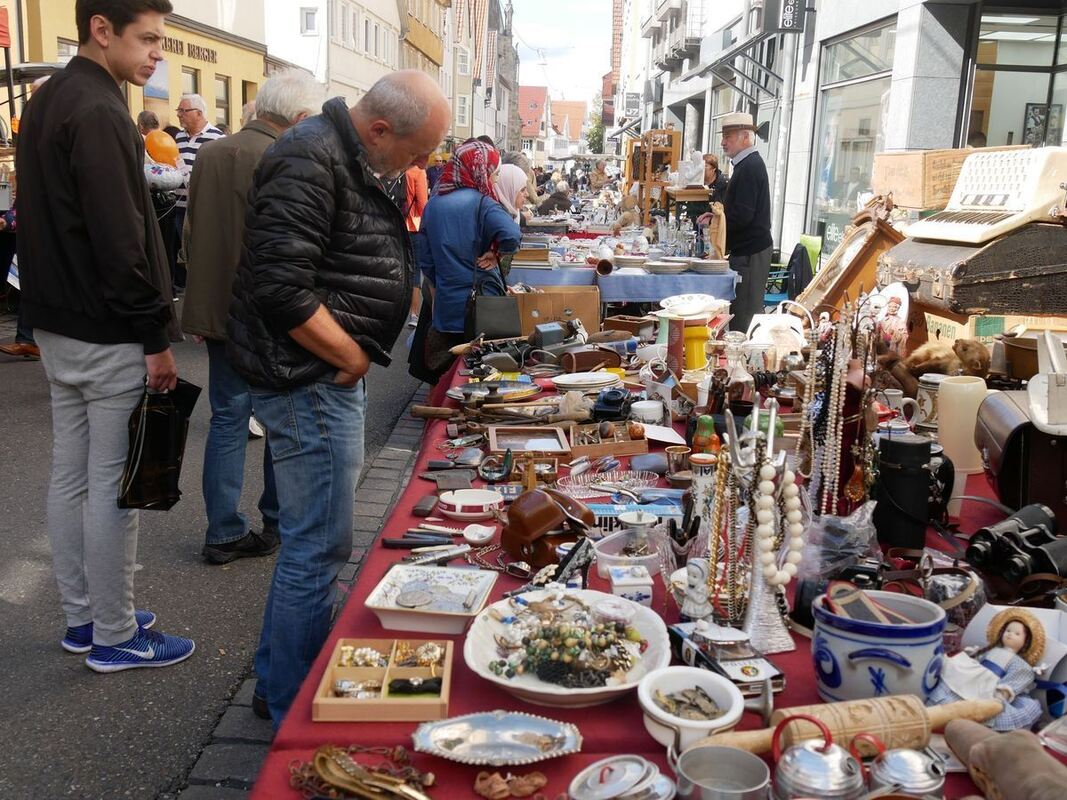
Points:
(185, 110)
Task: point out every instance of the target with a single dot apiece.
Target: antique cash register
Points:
(999, 247)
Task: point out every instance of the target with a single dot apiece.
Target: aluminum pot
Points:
(710, 772)
(908, 772)
(813, 769)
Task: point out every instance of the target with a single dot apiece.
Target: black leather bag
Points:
(158, 426)
(494, 315)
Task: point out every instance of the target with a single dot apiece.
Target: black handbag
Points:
(158, 427)
(493, 316)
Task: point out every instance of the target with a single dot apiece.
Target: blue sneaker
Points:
(79, 639)
(145, 649)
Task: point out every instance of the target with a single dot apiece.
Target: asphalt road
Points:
(70, 732)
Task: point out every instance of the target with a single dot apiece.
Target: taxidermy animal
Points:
(963, 357)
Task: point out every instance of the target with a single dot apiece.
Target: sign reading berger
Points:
(174, 45)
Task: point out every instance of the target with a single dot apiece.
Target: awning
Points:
(725, 68)
(629, 129)
(22, 74)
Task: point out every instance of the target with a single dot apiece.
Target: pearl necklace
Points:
(806, 423)
(830, 463)
(790, 519)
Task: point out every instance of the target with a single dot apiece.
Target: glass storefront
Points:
(1018, 95)
(854, 82)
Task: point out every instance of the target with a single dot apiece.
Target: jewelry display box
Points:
(326, 707)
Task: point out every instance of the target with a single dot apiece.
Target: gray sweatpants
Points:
(753, 270)
(94, 542)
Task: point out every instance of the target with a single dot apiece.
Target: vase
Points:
(703, 488)
(926, 397)
(963, 394)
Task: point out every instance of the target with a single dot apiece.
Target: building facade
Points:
(212, 55)
(569, 123)
(507, 66)
(535, 111)
(463, 69)
(424, 28)
(832, 87)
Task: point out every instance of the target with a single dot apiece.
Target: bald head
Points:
(401, 120)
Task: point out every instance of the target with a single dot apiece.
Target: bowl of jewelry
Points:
(566, 647)
(627, 548)
(685, 704)
(431, 599)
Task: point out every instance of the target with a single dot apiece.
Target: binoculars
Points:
(1022, 545)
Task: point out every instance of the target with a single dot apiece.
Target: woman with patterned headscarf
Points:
(464, 232)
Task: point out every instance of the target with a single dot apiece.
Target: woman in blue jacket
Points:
(464, 233)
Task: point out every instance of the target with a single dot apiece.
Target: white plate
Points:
(687, 305)
(579, 381)
(470, 505)
(480, 647)
(444, 614)
(629, 261)
(661, 433)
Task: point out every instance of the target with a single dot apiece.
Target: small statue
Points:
(695, 606)
(1004, 670)
(825, 327)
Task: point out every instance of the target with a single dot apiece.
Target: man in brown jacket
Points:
(214, 234)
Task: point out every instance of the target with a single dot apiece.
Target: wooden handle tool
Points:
(433, 412)
(898, 720)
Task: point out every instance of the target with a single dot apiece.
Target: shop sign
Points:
(632, 107)
(193, 51)
(784, 16)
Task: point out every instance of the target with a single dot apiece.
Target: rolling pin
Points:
(898, 720)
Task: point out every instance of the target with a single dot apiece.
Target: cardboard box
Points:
(922, 179)
(987, 327)
(560, 304)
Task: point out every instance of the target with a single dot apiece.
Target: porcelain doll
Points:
(695, 605)
(1004, 670)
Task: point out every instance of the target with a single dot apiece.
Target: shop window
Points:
(222, 100)
(65, 50)
(855, 78)
(249, 90)
(190, 80)
(309, 24)
(1015, 56)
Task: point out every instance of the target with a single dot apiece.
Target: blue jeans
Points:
(224, 453)
(315, 433)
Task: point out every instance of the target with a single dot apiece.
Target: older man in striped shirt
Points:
(192, 116)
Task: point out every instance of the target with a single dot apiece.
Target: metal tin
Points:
(622, 776)
(815, 769)
(914, 772)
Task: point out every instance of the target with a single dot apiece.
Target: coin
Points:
(415, 598)
(440, 589)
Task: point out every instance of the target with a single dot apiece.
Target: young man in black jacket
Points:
(322, 291)
(747, 205)
(97, 293)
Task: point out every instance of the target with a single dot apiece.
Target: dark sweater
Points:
(747, 204)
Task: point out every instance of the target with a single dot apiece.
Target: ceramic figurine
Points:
(1004, 670)
(696, 605)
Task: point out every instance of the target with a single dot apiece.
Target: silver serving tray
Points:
(497, 738)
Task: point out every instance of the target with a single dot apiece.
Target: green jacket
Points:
(215, 225)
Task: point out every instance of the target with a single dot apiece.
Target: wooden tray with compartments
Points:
(326, 707)
(587, 441)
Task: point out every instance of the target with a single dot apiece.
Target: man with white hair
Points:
(195, 131)
(747, 205)
(557, 202)
(214, 232)
(321, 292)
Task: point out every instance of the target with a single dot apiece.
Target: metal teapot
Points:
(907, 772)
(812, 769)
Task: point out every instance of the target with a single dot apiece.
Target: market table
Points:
(561, 276)
(653, 288)
(610, 729)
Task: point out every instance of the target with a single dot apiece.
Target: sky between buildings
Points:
(574, 36)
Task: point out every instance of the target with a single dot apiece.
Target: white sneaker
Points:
(255, 430)
(413, 320)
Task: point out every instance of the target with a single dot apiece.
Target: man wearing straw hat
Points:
(747, 204)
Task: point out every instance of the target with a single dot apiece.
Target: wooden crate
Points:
(401, 708)
(620, 445)
(922, 179)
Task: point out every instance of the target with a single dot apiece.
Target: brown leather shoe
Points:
(21, 349)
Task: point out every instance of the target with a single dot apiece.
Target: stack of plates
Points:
(629, 261)
(709, 267)
(666, 267)
(586, 381)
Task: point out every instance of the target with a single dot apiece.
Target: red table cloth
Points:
(614, 728)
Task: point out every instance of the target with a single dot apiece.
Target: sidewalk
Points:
(230, 761)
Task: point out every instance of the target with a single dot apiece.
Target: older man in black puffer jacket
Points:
(322, 291)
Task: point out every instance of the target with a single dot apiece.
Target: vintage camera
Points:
(865, 573)
(612, 404)
(1024, 544)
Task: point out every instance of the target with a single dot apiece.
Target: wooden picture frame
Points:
(544, 440)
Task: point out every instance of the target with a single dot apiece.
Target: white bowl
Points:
(470, 505)
(441, 619)
(675, 679)
(608, 554)
(480, 647)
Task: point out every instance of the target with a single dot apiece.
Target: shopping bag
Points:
(158, 427)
